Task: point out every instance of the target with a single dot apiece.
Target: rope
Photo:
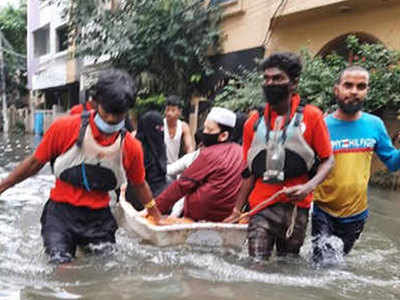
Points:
(290, 230)
(261, 206)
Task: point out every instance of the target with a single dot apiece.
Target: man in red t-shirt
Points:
(93, 156)
(280, 148)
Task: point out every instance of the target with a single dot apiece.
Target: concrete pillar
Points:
(32, 101)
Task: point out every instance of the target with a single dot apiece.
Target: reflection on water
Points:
(134, 270)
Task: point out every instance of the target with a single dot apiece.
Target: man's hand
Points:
(234, 215)
(155, 213)
(298, 192)
(3, 187)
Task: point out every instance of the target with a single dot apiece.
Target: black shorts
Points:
(64, 227)
(268, 228)
(325, 226)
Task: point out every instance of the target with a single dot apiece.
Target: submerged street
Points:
(141, 271)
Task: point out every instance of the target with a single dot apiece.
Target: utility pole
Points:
(3, 87)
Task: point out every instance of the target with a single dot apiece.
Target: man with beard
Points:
(280, 148)
(211, 183)
(340, 205)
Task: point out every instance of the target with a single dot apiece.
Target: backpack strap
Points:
(123, 132)
(84, 124)
(299, 115)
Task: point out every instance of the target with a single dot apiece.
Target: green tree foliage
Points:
(319, 76)
(13, 28)
(165, 43)
(154, 102)
(242, 91)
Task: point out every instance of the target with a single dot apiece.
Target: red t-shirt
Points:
(62, 135)
(316, 135)
(78, 109)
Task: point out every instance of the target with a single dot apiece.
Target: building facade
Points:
(321, 26)
(291, 25)
(53, 72)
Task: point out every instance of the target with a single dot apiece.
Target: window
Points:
(62, 38)
(41, 41)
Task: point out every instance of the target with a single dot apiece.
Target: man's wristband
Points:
(150, 204)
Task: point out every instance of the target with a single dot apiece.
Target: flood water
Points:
(137, 271)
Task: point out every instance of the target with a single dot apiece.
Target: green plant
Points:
(320, 74)
(166, 42)
(242, 91)
(155, 102)
(19, 127)
(13, 28)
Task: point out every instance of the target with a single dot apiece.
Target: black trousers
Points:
(65, 227)
(325, 226)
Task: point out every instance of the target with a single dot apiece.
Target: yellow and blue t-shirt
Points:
(343, 194)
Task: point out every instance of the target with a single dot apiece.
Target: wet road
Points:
(137, 271)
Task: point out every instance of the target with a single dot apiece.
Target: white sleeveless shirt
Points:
(173, 145)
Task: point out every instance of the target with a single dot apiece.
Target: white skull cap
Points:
(222, 116)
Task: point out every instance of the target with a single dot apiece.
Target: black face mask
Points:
(209, 139)
(350, 108)
(276, 93)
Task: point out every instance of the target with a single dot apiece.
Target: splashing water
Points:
(132, 269)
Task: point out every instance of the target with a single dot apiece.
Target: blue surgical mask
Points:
(107, 128)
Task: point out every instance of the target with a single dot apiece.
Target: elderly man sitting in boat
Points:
(211, 183)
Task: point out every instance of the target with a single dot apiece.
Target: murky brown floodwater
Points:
(136, 271)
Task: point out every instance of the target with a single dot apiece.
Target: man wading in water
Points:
(93, 156)
(280, 147)
(340, 206)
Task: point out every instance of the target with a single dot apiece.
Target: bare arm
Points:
(299, 192)
(323, 170)
(187, 138)
(146, 197)
(245, 189)
(29, 167)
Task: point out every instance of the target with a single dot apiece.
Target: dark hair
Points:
(173, 101)
(228, 129)
(350, 69)
(115, 91)
(288, 62)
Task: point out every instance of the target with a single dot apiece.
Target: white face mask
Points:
(107, 128)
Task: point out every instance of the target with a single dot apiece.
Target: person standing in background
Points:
(177, 136)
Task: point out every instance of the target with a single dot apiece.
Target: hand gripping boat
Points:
(207, 234)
